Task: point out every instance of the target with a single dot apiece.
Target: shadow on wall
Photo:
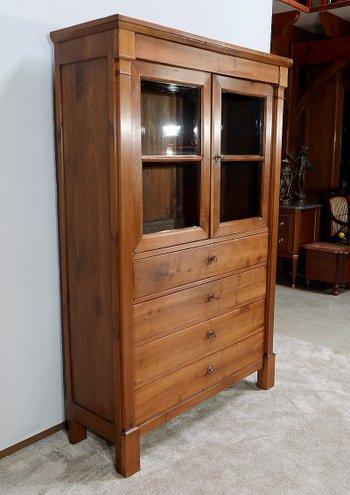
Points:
(30, 343)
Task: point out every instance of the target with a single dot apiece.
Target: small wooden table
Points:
(328, 262)
(298, 224)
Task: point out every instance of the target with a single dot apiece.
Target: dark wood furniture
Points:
(168, 160)
(328, 262)
(338, 217)
(298, 224)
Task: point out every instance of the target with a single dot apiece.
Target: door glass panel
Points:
(171, 196)
(240, 190)
(170, 119)
(242, 124)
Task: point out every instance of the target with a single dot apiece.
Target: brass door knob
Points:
(218, 157)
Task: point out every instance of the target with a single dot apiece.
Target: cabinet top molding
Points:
(157, 31)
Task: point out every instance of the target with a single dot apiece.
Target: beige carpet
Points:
(293, 439)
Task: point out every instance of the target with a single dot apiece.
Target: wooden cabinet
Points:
(298, 224)
(168, 153)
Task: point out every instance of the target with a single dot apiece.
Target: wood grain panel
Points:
(156, 50)
(85, 150)
(171, 352)
(177, 387)
(189, 265)
(323, 136)
(165, 313)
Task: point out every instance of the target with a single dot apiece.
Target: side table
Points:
(298, 224)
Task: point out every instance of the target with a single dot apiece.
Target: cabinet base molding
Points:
(76, 432)
(127, 452)
(266, 376)
(193, 401)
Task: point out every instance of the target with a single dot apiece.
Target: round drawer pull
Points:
(211, 370)
(211, 297)
(281, 224)
(211, 334)
(280, 240)
(212, 259)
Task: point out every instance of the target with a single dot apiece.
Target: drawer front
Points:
(165, 313)
(283, 231)
(173, 389)
(168, 353)
(171, 270)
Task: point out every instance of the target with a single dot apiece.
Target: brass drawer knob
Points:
(281, 224)
(211, 334)
(212, 259)
(211, 370)
(211, 297)
(280, 240)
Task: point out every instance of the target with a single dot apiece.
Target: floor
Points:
(292, 440)
(315, 315)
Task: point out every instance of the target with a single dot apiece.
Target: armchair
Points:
(338, 213)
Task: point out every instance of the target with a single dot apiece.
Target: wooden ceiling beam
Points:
(322, 51)
(333, 25)
(296, 5)
(281, 22)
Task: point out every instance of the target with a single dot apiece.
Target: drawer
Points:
(171, 270)
(283, 231)
(165, 313)
(173, 351)
(173, 389)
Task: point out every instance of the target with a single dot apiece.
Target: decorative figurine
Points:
(287, 176)
(303, 165)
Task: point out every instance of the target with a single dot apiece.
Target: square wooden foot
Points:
(76, 431)
(127, 453)
(266, 376)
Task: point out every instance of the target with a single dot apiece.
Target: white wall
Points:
(31, 397)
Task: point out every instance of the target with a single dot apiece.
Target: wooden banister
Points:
(310, 6)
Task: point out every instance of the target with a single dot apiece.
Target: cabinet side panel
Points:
(88, 248)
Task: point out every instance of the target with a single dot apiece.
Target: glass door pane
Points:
(170, 119)
(171, 155)
(241, 124)
(171, 196)
(240, 190)
(241, 163)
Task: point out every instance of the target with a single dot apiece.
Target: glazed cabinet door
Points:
(171, 155)
(241, 133)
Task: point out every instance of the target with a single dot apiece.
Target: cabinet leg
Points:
(266, 376)
(294, 269)
(307, 284)
(76, 431)
(335, 289)
(127, 453)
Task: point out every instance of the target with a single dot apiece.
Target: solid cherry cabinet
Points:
(168, 154)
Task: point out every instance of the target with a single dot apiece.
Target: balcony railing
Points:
(316, 5)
